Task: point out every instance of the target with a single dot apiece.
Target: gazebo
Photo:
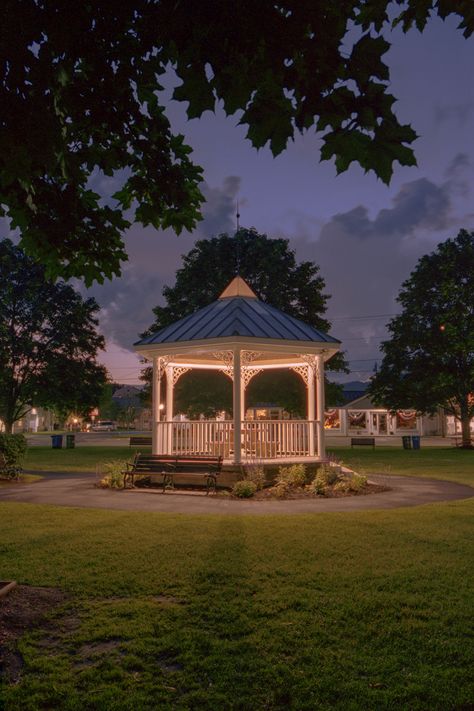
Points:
(241, 336)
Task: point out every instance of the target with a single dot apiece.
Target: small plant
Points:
(280, 490)
(256, 474)
(342, 486)
(318, 486)
(244, 489)
(113, 474)
(357, 482)
(293, 476)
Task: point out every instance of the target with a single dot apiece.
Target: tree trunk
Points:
(8, 427)
(466, 431)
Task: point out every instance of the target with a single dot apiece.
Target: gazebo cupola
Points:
(241, 336)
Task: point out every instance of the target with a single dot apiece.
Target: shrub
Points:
(280, 490)
(292, 476)
(13, 447)
(319, 485)
(113, 474)
(342, 486)
(328, 474)
(256, 474)
(357, 482)
(244, 489)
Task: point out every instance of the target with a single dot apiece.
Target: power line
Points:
(353, 318)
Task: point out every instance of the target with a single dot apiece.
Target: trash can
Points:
(56, 441)
(406, 442)
(415, 440)
(70, 441)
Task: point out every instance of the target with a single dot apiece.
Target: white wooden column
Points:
(169, 408)
(237, 407)
(311, 410)
(156, 401)
(320, 405)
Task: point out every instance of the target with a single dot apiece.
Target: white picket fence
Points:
(260, 439)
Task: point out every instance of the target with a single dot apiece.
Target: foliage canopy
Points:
(429, 360)
(48, 342)
(80, 99)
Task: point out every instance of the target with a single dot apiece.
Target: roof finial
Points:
(237, 235)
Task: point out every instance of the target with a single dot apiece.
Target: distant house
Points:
(353, 390)
(361, 416)
(36, 419)
(131, 412)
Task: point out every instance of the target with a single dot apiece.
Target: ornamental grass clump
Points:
(113, 474)
(244, 489)
(256, 474)
(352, 484)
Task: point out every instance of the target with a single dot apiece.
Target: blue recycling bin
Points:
(415, 440)
(56, 441)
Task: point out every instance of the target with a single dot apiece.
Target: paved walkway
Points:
(78, 490)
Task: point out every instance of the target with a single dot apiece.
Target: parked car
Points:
(104, 426)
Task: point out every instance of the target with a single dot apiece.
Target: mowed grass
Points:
(446, 463)
(79, 459)
(331, 611)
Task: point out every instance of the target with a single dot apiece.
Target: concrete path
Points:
(78, 490)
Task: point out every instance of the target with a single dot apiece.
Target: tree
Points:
(429, 360)
(81, 96)
(271, 270)
(267, 265)
(203, 393)
(48, 342)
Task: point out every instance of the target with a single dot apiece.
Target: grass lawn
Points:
(80, 459)
(368, 610)
(447, 463)
(330, 611)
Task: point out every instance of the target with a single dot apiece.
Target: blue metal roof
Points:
(238, 316)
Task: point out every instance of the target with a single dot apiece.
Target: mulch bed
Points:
(301, 493)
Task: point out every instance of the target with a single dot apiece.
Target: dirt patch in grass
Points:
(23, 609)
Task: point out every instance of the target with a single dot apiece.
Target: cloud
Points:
(460, 112)
(365, 259)
(220, 208)
(127, 302)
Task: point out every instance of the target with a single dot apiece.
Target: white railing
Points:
(260, 439)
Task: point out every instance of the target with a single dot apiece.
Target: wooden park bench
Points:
(363, 441)
(140, 441)
(8, 471)
(168, 465)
